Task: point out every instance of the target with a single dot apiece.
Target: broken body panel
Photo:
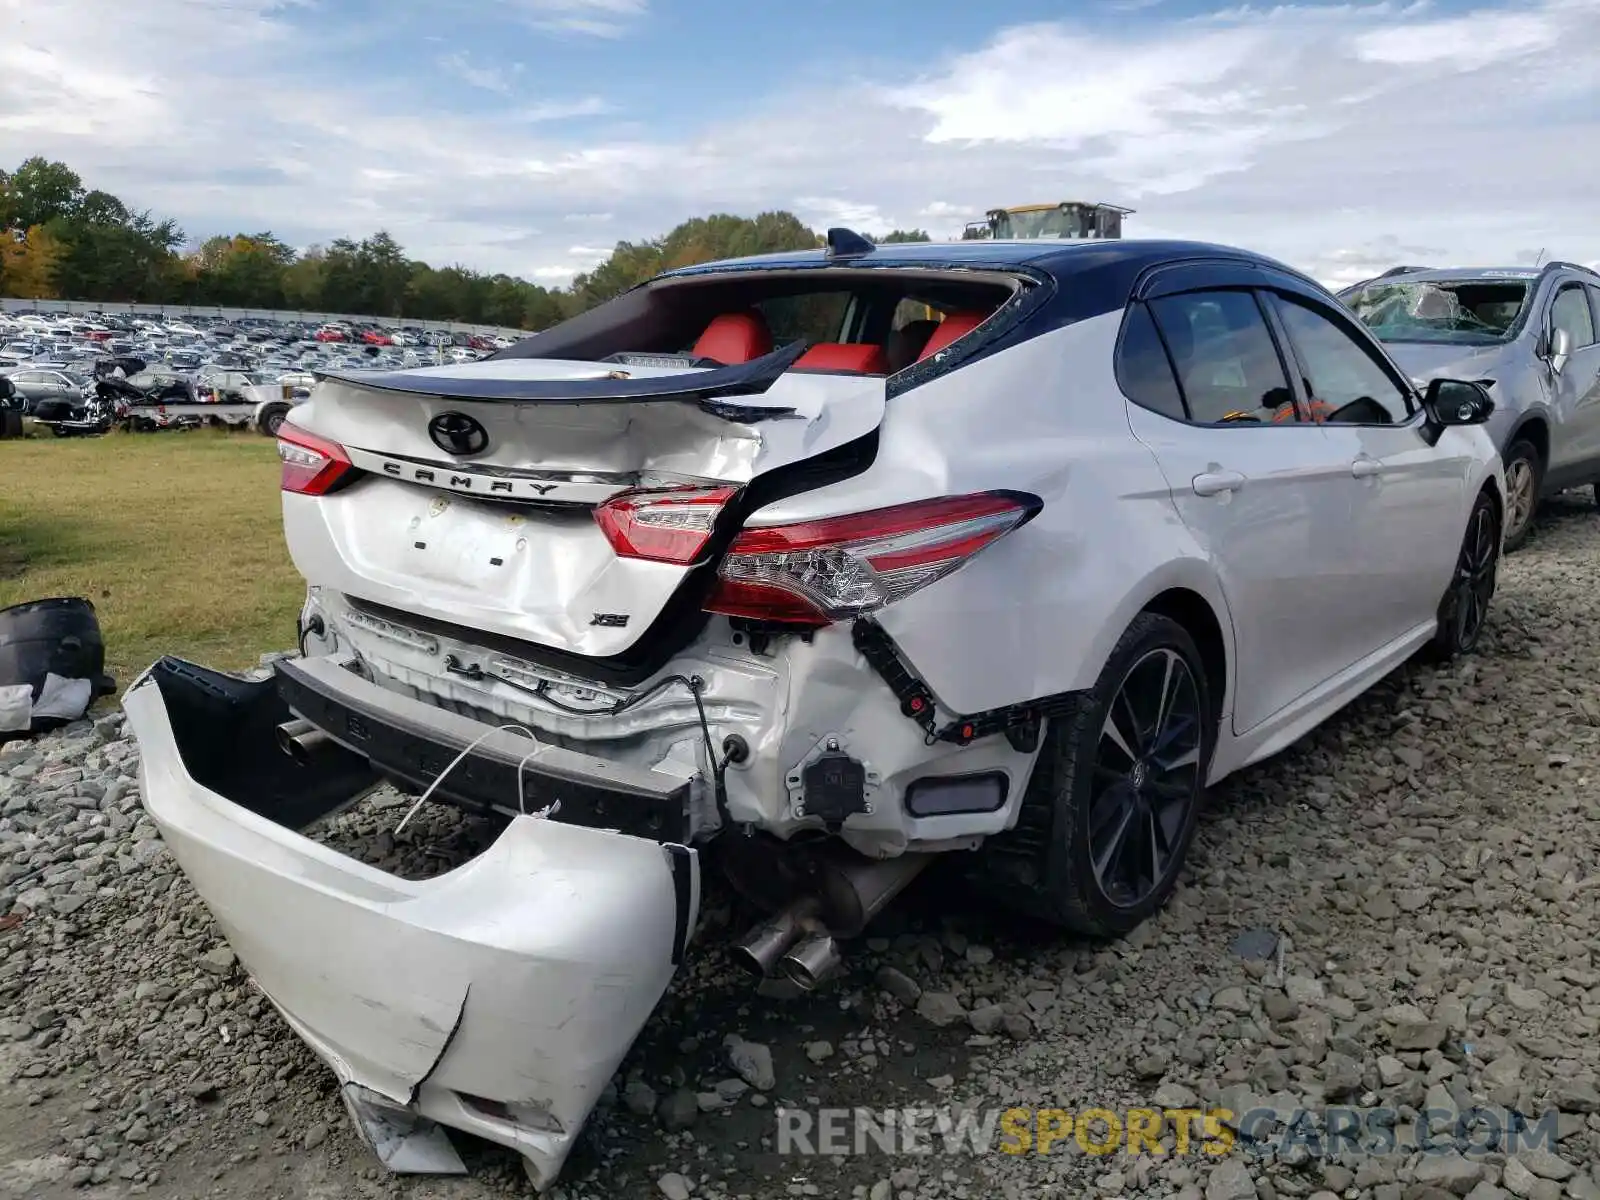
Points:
(498, 998)
(485, 594)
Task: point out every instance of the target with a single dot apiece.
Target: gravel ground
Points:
(1399, 912)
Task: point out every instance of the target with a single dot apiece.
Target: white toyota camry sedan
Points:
(819, 568)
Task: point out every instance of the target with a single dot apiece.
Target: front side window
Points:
(1571, 312)
(1227, 362)
(1342, 381)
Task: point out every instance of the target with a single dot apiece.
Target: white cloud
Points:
(560, 110)
(821, 211)
(1339, 138)
(1463, 43)
(490, 79)
(591, 18)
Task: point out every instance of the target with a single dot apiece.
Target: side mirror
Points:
(1457, 402)
(1560, 349)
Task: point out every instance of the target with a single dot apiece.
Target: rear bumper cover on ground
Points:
(498, 998)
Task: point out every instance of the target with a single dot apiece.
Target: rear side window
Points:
(1571, 312)
(1227, 362)
(1144, 372)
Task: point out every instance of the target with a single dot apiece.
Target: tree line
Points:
(62, 241)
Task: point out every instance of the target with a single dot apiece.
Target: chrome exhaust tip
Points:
(759, 951)
(812, 962)
(800, 944)
(302, 741)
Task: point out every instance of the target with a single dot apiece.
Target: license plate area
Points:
(492, 553)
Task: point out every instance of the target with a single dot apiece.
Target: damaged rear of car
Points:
(595, 585)
(795, 566)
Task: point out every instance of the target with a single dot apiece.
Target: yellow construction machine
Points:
(1065, 219)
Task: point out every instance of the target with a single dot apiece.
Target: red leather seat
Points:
(735, 337)
(955, 325)
(860, 358)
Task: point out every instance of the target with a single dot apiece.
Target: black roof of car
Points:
(1054, 256)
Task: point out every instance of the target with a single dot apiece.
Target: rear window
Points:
(894, 309)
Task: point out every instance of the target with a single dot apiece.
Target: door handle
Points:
(1213, 483)
(1366, 468)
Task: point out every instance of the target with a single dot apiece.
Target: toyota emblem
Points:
(458, 434)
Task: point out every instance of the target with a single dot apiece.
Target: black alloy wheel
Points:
(1115, 794)
(1465, 607)
(1146, 777)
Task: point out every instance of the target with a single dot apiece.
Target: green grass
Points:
(176, 537)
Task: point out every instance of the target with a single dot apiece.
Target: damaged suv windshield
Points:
(1468, 311)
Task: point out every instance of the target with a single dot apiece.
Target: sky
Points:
(529, 136)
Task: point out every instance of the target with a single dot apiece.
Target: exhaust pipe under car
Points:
(812, 962)
(302, 741)
(760, 950)
(801, 942)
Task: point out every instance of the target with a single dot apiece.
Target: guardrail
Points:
(79, 307)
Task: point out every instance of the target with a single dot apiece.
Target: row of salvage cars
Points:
(817, 569)
(126, 393)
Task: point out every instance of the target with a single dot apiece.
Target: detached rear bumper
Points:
(498, 998)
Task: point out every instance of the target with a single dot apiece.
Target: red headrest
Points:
(863, 358)
(734, 337)
(956, 324)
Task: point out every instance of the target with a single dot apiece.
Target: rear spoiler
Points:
(618, 386)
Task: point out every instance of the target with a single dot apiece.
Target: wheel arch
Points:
(1186, 591)
(1194, 612)
(1491, 487)
(1532, 427)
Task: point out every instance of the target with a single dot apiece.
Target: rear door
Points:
(1404, 500)
(1259, 486)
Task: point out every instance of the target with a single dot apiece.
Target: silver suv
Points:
(1529, 334)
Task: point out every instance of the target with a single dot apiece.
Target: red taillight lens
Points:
(670, 525)
(311, 465)
(816, 572)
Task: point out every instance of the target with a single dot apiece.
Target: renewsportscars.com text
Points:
(1179, 1132)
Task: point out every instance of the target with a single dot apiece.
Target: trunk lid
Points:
(475, 506)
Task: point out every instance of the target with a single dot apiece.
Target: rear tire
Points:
(1111, 807)
(1465, 607)
(1524, 478)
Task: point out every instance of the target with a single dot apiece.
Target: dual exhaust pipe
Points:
(303, 741)
(800, 942)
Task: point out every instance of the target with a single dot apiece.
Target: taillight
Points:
(311, 465)
(669, 525)
(816, 572)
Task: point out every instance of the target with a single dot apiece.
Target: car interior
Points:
(865, 323)
(739, 337)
